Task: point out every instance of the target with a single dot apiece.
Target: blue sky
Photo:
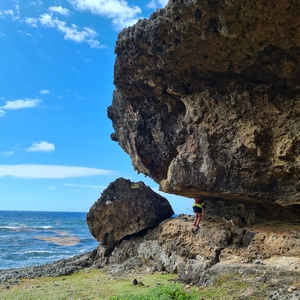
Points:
(56, 82)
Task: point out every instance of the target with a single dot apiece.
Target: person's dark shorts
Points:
(197, 209)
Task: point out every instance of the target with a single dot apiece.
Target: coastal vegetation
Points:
(95, 284)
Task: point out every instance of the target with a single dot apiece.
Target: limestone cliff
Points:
(207, 99)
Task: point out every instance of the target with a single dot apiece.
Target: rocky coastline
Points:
(57, 268)
(207, 105)
(265, 257)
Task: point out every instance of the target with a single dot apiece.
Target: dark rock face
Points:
(126, 208)
(207, 99)
(245, 214)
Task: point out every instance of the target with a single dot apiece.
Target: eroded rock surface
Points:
(126, 208)
(263, 260)
(207, 99)
(266, 259)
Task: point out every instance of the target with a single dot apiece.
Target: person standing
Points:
(199, 208)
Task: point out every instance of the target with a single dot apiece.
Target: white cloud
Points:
(41, 146)
(2, 113)
(157, 3)
(51, 188)
(19, 104)
(18, 11)
(44, 92)
(7, 12)
(15, 15)
(38, 3)
(47, 20)
(71, 32)
(31, 21)
(60, 10)
(7, 153)
(94, 187)
(49, 171)
(119, 11)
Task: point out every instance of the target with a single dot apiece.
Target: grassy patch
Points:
(95, 284)
(226, 286)
(171, 291)
(92, 284)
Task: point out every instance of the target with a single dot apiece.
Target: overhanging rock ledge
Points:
(207, 99)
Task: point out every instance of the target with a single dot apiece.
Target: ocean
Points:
(31, 238)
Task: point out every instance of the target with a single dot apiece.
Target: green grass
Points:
(92, 284)
(169, 292)
(95, 284)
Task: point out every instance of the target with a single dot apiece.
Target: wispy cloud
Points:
(14, 14)
(38, 3)
(44, 92)
(19, 104)
(121, 14)
(51, 188)
(60, 10)
(94, 187)
(49, 171)
(72, 32)
(157, 3)
(6, 12)
(7, 153)
(41, 146)
(32, 21)
(2, 113)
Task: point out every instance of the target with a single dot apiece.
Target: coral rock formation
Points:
(207, 99)
(265, 258)
(126, 208)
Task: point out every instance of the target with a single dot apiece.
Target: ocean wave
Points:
(24, 228)
(9, 227)
(15, 228)
(43, 227)
(33, 238)
(38, 251)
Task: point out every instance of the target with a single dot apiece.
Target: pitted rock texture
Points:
(265, 258)
(207, 99)
(126, 208)
(249, 213)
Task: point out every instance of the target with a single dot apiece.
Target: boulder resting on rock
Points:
(126, 208)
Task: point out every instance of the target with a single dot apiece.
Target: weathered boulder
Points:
(126, 208)
(207, 99)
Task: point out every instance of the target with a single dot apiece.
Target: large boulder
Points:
(207, 99)
(126, 208)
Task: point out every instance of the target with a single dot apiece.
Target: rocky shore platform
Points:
(57, 268)
(265, 258)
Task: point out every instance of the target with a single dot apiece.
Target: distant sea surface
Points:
(30, 238)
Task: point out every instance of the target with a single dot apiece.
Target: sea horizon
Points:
(62, 211)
